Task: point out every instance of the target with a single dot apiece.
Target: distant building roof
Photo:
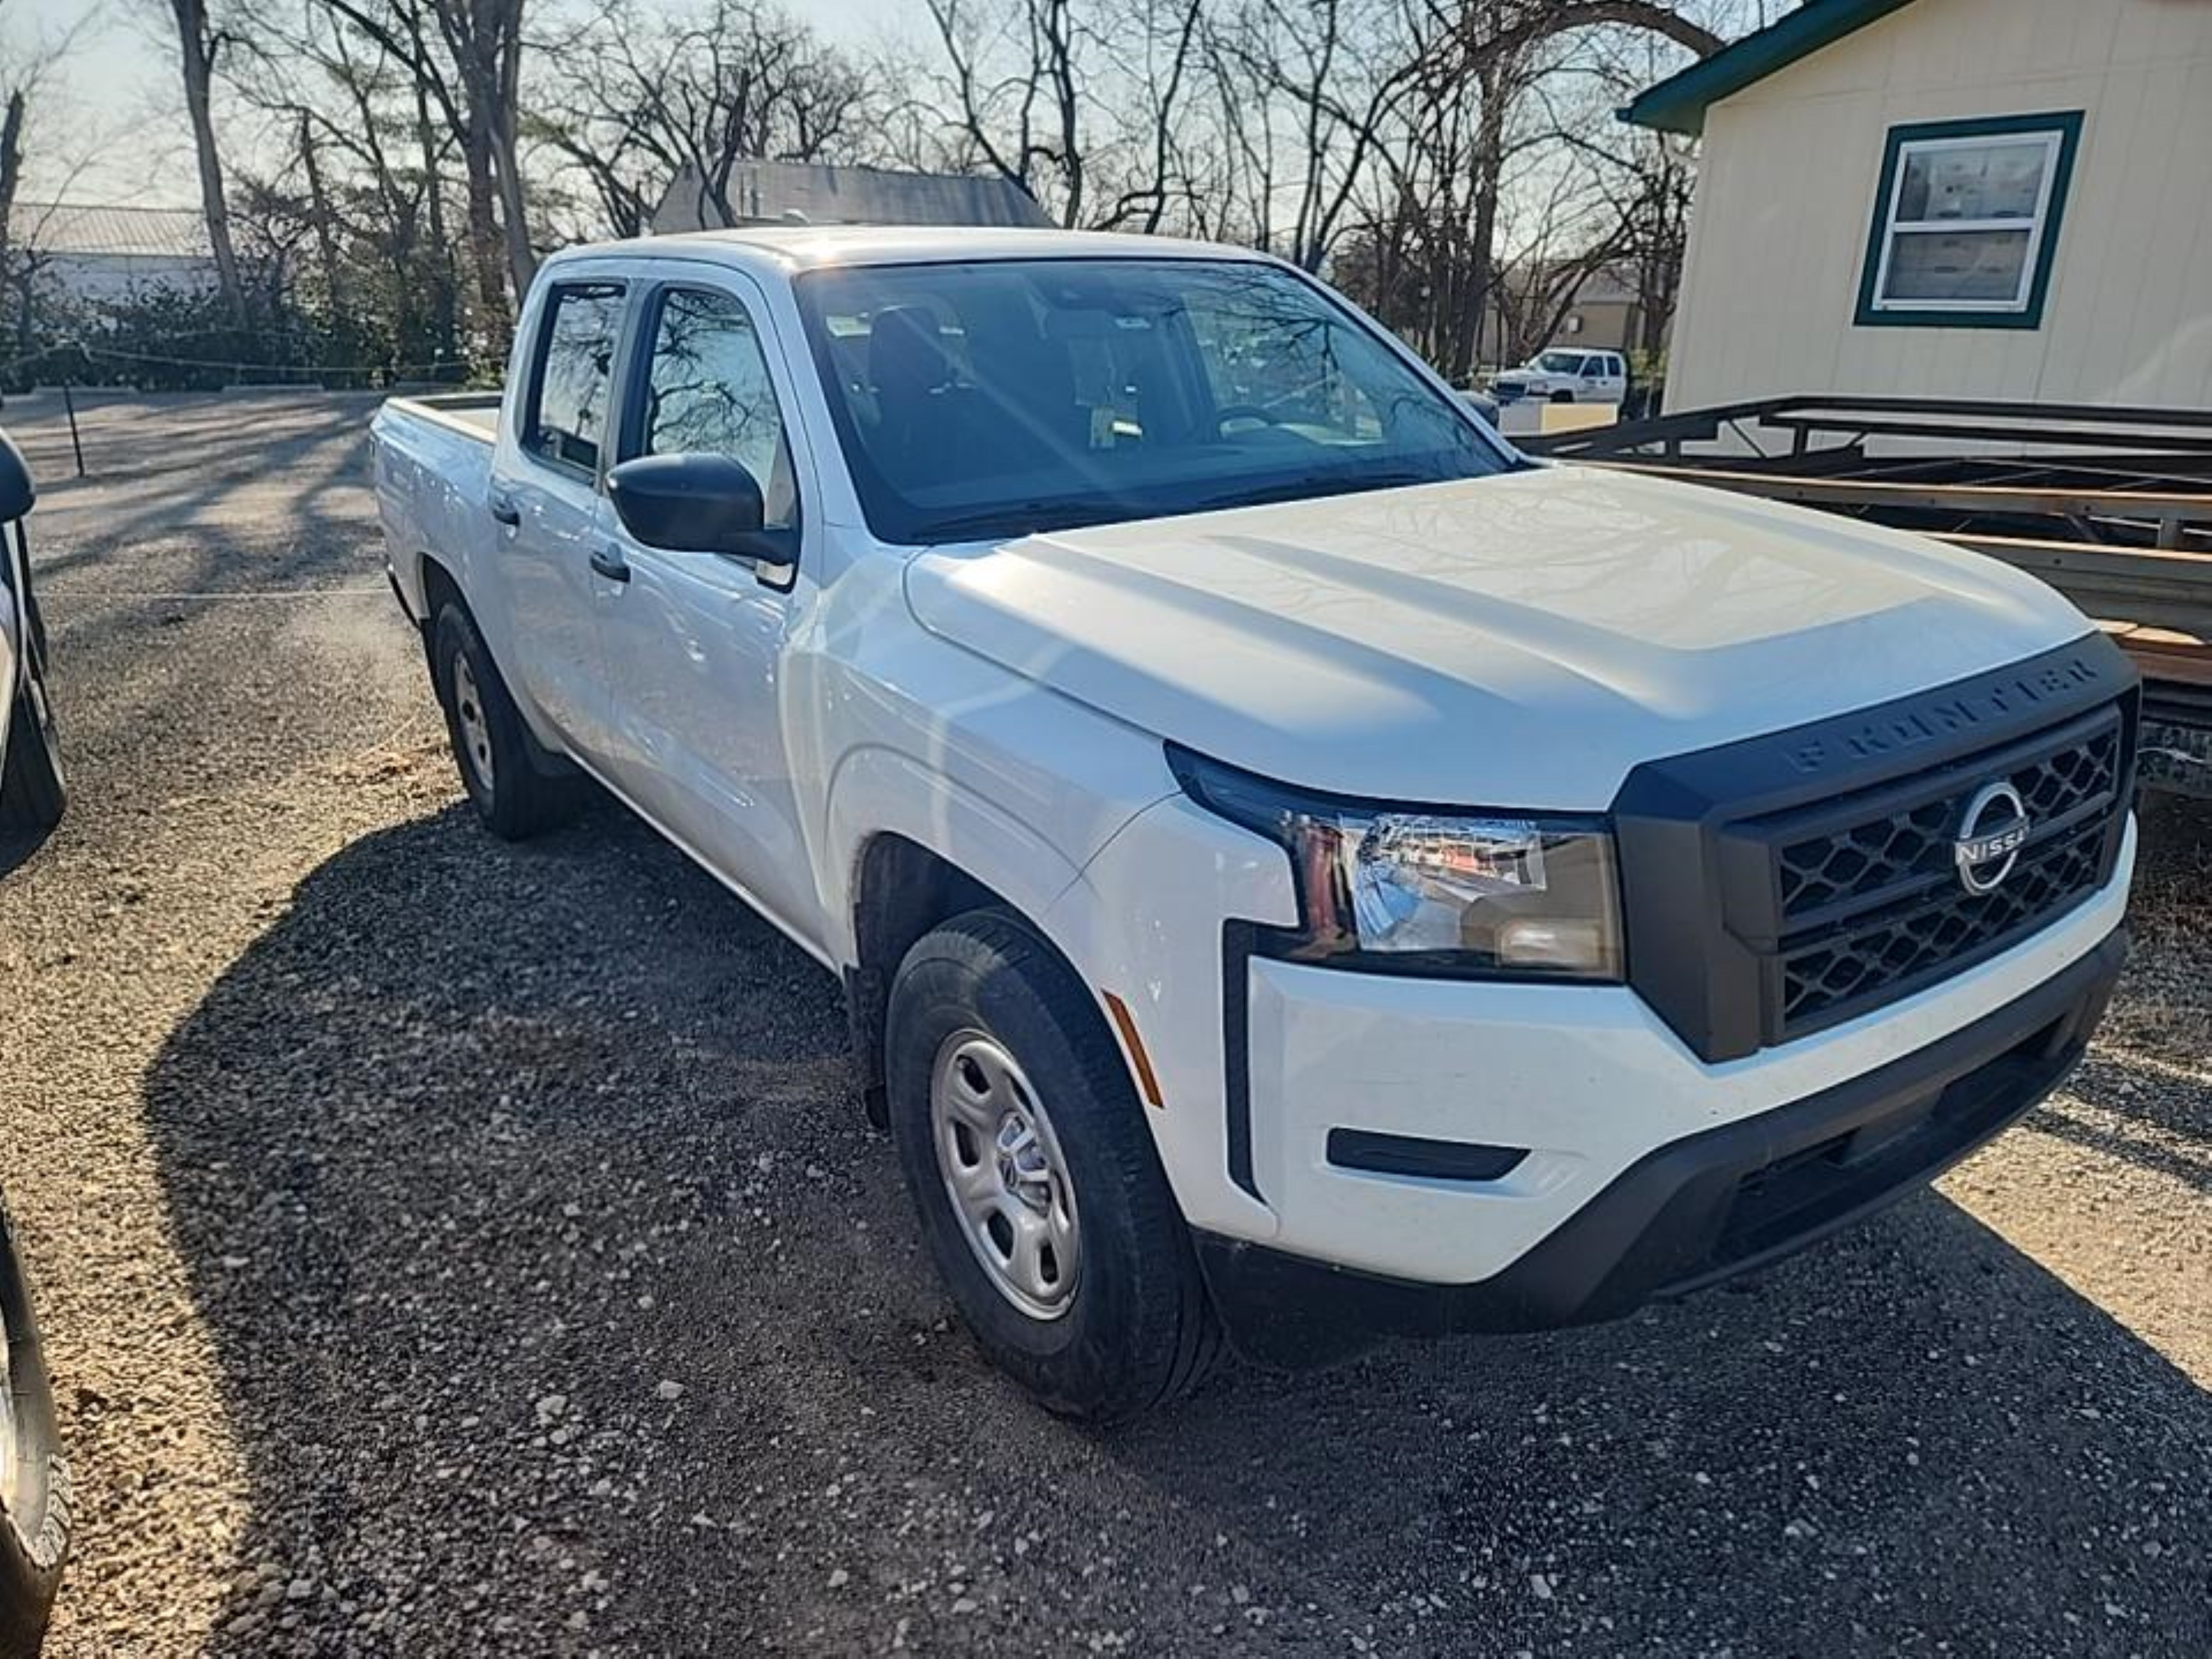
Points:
(67, 229)
(777, 192)
(1679, 103)
(1609, 284)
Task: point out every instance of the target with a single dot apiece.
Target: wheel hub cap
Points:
(1005, 1176)
(476, 727)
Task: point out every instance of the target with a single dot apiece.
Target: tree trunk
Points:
(487, 250)
(515, 213)
(1481, 263)
(11, 174)
(198, 47)
(445, 303)
(11, 171)
(327, 247)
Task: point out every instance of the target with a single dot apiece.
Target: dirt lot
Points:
(449, 1247)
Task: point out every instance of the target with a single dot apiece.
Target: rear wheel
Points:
(32, 795)
(1040, 1192)
(503, 767)
(35, 1484)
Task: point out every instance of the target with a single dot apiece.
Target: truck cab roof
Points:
(790, 249)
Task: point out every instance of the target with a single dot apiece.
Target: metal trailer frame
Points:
(2111, 506)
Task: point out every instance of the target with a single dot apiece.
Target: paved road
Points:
(454, 1249)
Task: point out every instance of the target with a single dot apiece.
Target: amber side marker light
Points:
(1147, 1079)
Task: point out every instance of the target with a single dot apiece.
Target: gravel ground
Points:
(449, 1247)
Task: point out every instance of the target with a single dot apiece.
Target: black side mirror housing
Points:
(693, 504)
(17, 492)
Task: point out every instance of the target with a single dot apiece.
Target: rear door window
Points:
(570, 390)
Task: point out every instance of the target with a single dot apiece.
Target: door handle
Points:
(607, 562)
(503, 508)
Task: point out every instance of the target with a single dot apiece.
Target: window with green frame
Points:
(1966, 222)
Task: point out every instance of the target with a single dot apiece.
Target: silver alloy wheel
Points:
(475, 726)
(1005, 1175)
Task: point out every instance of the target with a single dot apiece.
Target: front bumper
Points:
(1701, 1208)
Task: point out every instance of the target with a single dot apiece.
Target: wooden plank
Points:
(2189, 443)
(2169, 505)
(1974, 409)
(2170, 667)
(2142, 588)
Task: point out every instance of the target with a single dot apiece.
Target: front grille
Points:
(1843, 970)
(1910, 841)
(1866, 904)
(1778, 883)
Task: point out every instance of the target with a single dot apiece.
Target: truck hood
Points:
(1521, 640)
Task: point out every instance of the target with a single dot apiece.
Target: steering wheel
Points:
(1229, 412)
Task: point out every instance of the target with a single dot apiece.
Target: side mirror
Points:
(691, 504)
(17, 492)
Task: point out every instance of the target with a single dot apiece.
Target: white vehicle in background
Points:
(1297, 868)
(34, 1477)
(31, 794)
(1565, 375)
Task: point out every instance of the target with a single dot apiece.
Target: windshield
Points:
(1008, 395)
(1560, 363)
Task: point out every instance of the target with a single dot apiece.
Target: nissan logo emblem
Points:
(1991, 835)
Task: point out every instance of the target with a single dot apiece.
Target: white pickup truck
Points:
(1299, 870)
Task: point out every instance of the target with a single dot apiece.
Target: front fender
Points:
(880, 790)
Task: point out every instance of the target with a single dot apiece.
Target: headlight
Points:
(1422, 889)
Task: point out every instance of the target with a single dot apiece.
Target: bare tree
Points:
(640, 96)
(364, 182)
(199, 45)
(1417, 123)
(24, 64)
(1020, 118)
(462, 59)
(484, 43)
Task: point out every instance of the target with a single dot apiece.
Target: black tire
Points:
(504, 769)
(1563, 396)
(34, 1533)
(1137, 1331)
(31, 793)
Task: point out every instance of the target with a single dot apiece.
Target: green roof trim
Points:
(1679, 103)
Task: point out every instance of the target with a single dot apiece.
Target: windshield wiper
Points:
(1019, 518)
(1309, 489)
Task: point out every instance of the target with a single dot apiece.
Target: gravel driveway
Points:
(448, 1248)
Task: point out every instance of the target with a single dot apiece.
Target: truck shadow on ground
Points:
(563, 1300)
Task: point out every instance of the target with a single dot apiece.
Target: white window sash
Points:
(2051, 139)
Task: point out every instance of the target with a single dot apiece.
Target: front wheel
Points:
(500, 762)
(1563, 396)
(1039, 1189)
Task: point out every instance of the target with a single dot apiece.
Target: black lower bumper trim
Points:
(1703, 1208)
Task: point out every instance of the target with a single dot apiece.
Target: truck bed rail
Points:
(475, 414)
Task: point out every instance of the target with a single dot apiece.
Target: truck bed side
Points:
(432, 461)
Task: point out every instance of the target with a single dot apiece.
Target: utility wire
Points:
(111, 354)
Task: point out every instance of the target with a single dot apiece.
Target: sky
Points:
(112, 112)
